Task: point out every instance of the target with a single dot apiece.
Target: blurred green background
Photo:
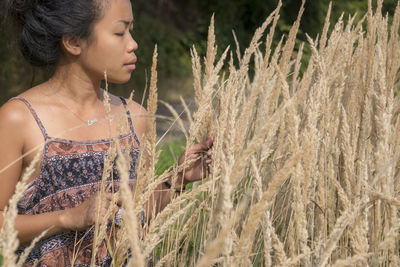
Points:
(177, 25)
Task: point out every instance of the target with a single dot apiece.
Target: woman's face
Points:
(112, 48)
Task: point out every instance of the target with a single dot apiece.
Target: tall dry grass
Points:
(305, 166)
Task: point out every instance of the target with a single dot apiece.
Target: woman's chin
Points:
(119, 80)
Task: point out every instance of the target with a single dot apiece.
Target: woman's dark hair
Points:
(43, 23)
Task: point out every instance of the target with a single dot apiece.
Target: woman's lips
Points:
(130, 66)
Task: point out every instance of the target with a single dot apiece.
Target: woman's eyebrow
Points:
(126, 22)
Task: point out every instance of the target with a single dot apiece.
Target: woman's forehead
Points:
(118, 11)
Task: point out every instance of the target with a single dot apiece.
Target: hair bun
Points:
(18, 9)
(44, 22)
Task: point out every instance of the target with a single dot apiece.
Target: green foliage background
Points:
(176, 26)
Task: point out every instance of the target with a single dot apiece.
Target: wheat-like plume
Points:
(8, 235)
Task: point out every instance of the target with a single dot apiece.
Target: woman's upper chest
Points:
(54, 135)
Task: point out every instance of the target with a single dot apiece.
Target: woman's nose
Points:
(133, 45)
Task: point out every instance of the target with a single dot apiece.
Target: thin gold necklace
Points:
(89, 122)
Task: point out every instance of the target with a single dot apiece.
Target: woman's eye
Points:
(123, 33)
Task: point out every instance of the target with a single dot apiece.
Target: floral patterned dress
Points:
(70, 172)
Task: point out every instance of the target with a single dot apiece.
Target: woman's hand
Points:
(196, 171)
(83, 216)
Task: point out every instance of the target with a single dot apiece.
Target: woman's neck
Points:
(73, 83)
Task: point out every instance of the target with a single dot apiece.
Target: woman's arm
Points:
(196, 171)
(13, 122)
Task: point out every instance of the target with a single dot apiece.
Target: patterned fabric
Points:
(70, 173)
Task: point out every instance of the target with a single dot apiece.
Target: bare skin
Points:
(75, 86)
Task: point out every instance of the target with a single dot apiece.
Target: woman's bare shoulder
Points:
(139, 117)
(137, 112)
(136, 108)
(14, 116)
(13, 113)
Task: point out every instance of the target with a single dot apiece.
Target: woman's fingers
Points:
(113, 197)
(201, 152)
(201, 155)
(115, 211)
(209, 143)
(202, 147)
(107, 204)
(197, 148)
(109, 196)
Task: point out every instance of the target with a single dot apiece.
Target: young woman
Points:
(82, 38)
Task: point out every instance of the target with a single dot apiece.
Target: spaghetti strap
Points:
(38, 121)
(129, 119)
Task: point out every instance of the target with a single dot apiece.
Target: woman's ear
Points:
(72, 45)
